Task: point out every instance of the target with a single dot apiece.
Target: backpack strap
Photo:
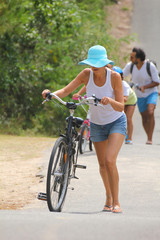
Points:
(131, 69)
(148, 68)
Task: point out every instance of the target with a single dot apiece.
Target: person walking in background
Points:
(130, 100)
(147, 92)
(108, 124)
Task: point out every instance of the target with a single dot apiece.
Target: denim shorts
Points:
(100, 133)
(143, 102)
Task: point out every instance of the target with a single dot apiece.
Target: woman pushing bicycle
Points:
(107, 125)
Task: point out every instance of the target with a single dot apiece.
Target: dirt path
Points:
(21, 158)
(119, 15)
(21, 161)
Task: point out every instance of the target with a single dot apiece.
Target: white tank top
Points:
(99, 115)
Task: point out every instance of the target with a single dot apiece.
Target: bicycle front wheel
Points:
(83, 138)
(57, 177)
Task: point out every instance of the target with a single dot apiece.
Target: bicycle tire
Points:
(83, 138)
(90, 145)
(57, 176)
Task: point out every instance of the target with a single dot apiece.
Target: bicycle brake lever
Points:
(48, 97)
(96, 100)
(46, 100)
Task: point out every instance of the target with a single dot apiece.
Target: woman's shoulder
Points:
(86, 71)
(84, 75)
(115, 75)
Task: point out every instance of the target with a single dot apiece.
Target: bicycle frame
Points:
(71, 135)
(70, 163)
(86, 121)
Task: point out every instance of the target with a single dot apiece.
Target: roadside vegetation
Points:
(41, 42)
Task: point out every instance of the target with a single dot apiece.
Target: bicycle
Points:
(63, 160)
(131, 84)
(85, 131)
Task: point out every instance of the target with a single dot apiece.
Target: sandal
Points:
(149, 142)
(116, 209)
(128, 142)
(107, 208)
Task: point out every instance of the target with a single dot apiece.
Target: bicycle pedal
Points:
(42, 196)
(71, 188)
(80, 166)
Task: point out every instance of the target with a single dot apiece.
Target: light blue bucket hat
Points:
(97, 57)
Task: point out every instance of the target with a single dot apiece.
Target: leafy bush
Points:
(41, 42)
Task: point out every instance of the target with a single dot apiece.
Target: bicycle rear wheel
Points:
(83, 138)
(57, 177)
(90, 145)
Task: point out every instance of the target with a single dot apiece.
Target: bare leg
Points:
(107, 152)
(100, 148)
(129, 110)
(149, 121)
(144, 116)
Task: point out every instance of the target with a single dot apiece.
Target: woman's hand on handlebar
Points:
(45, 92)
(76, 96)
(104, 100)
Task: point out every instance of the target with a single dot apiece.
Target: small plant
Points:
(125, 8)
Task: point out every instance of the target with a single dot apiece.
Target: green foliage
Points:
(41, 42)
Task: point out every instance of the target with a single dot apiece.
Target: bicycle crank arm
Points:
(42, 196)
(80, 166)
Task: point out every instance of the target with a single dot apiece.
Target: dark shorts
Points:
(100, 133)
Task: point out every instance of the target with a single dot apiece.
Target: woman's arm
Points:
(126, 90)
(82, 78)
(80, 92)
(125, 98)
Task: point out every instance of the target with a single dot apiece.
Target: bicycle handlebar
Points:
(131, 84)
(137, 87)
(79, 98)
(72, 105)
(96, 100)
